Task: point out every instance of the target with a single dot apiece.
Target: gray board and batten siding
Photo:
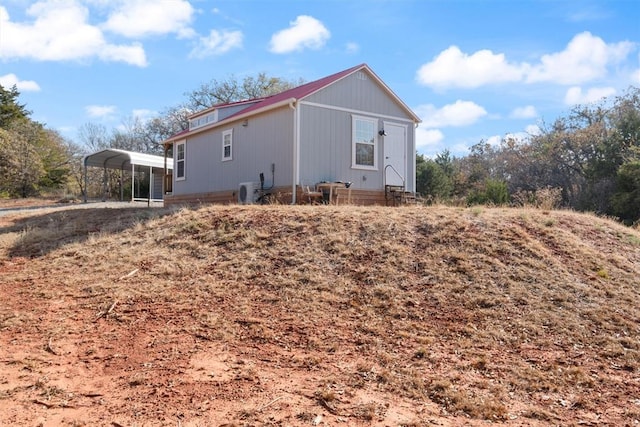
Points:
(230, 110)
(307, 134)
(326, 132)
(265, 140)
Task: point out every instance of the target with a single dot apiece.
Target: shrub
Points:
(492, 192)
(543, 198)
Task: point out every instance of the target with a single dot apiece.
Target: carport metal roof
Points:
(113, 158)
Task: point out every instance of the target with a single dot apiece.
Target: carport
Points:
(122, 160)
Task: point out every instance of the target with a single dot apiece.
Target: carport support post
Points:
(85, 180)
(122, 185)
(133, 174)
(104, 184)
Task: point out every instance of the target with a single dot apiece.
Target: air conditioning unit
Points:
(248, 192)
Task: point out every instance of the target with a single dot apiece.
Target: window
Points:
(203, 120)
(364, 143)
(227, 145)
(180, 161)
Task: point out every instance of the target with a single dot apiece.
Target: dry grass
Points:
(487, 314)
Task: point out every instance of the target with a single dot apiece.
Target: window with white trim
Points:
(180, 161)
(203, 120)
(364, 147)
(227, 145)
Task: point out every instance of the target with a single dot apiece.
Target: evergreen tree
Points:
(32, 158)
(434, 180)
(626, 200)
(10, 110)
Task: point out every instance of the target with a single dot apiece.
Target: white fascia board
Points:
(392, 94)
(234, 118)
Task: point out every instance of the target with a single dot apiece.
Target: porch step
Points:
(396, 195)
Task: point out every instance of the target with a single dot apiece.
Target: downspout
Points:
(296, 151)
(415, 169)
(164, 173)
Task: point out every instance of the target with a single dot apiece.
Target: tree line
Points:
(35, 160)
(587, 160)
(32, 157)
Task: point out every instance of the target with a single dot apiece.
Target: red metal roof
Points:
(298, 92)
(294, 94)
(224, 104)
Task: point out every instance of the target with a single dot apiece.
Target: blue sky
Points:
(472, 70)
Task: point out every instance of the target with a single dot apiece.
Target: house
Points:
(348, 127)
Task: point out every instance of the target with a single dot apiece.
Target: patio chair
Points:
(313, 196)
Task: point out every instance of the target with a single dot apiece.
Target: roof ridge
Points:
(296, 94)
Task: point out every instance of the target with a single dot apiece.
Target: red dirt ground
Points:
(83, 344)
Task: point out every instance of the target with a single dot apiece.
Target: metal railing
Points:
(397, 173)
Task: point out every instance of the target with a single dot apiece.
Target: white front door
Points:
(395, 143)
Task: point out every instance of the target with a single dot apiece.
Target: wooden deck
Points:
(280, 195)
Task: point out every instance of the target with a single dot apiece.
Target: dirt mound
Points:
(281, 315)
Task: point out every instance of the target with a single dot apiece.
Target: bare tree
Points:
(93, 136)
(231, 89)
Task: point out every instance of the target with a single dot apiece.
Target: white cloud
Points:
(533, 130)
(428, 137)
(304, 32)
(234, 21)
(527, 112)
(132, 54)
(10, 80)
(59, 31)
(100, 3)
(143, 115)
(494, 140)
(461, 148)
(585, 58)
(460, 113)
(635, 75)
(588, 12)
(100, 111)
(519, 137)
(575, 95)
(453, 68)
(217, 43)
(140, 18)
(352, 47)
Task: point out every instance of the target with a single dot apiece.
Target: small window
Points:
(227, 145)
(180, 161)
(203, 120)
(364, 154)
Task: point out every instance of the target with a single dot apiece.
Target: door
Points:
(395, 143)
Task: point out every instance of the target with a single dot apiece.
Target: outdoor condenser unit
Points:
(248, 192)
